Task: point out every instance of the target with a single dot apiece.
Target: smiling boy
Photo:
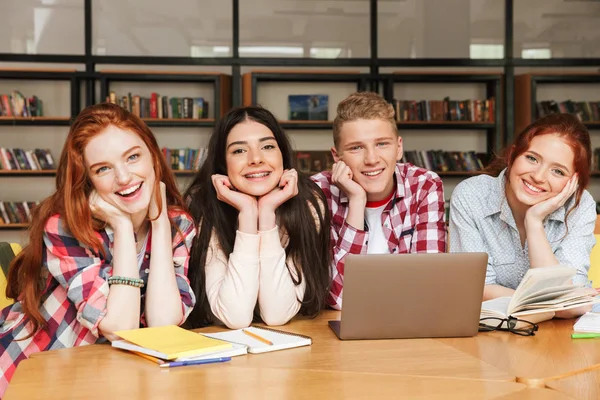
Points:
(378, 206)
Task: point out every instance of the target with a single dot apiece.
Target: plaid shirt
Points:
(74, 301)
(413, 221)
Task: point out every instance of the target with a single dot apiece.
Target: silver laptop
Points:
(394, 296)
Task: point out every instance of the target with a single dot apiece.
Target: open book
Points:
(541, 293)
(280, 339)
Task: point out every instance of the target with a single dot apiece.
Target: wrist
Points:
(532, 222)
(357, 201)
(121, 225)
(266, 220)
(162, 220)
(248, 221)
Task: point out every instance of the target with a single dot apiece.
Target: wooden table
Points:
(483, 367)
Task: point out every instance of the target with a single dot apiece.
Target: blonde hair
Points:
(362, 105)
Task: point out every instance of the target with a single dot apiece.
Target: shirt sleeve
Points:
(345, 239)
(464, 234)
(77, 269)
(279, 298)
(576, 247)
(182, 244)
(232, 282)
(430, 227)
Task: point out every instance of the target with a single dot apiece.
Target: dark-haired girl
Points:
(263, 242)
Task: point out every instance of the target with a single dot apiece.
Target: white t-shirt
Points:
(378, 243)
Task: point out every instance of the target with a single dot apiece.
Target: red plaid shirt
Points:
(413, 221)
(74, 301)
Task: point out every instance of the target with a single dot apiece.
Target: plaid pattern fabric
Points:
(413, 221)
(74, 301)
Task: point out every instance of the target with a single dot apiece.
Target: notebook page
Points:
(588, 322)
(280, 340)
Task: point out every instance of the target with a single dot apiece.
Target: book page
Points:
(495, 307)
(537, 279)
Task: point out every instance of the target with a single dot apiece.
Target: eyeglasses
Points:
(510, 324)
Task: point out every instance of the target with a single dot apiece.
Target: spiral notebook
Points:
(281, 340)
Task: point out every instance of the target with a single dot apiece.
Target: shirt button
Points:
(146, 256)
(147, 270)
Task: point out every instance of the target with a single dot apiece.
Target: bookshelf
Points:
(535, 87)
(59, 91)
(174, 132)
(527, 87)
(492, 84)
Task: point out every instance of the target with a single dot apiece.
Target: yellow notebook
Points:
(168, 342)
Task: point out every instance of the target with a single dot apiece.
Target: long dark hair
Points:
(309, 243)
(565, 126)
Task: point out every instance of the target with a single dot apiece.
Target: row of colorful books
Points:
(157, 106)
(13, 212)
(445, 110)
(446, 161)
(17, 105)
(32, 160)
(584, 110)
(184, 159)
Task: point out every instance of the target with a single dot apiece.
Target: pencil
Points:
(147, 357)
(259, 338)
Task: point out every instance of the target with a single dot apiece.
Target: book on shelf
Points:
(308, 107)
(162, 107)
(444, 110)
(312, 162)
(17, 105)
(446, 161)
(541, 293)
(26, 160)
(184, 159)
(15, 212)
(586, 111)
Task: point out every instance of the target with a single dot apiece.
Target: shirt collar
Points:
(499, 204)
(398, 194)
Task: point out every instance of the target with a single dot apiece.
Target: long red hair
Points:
(565, 126)
(73, 187)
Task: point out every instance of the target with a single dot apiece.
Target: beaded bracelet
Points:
(123, 280)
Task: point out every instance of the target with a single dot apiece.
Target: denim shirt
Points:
(481, 220)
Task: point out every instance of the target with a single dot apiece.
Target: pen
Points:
(195, 362)
(259, 338)
(147, 357)
(583, 335)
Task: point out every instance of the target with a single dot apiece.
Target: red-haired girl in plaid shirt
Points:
(378, 206)
(115, 200)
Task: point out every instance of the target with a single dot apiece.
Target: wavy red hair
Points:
(73, 187)
(565, 126)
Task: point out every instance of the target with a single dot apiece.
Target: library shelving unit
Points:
(493, 89)
(17, 76)
(251, 82)
(219, 104)
(221, 84)
(526, 96)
